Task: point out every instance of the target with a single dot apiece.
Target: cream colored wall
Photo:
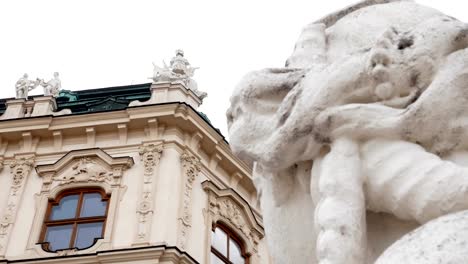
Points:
(168, 178)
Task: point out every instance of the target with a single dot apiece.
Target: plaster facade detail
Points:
(227, 208)
(79, 169)
(150, 154)
(191, 167)
(64, 161)
(20, 168)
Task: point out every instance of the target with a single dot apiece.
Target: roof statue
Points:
(179, 70)
(24, 86)
(53, 86)
(362, 138)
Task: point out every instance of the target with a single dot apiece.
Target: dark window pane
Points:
(215, 259)
(66, 209)
(58, 237)
(86, 233)
(235, 253)
(219, 241)
(93, 205)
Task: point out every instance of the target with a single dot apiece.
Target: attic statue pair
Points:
(51, 88)
(360, 143)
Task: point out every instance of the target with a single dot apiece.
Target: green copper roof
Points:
(103, 99)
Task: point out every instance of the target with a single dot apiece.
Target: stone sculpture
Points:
(369, 111)
(24, 85)
(53, 86)
(179, 70)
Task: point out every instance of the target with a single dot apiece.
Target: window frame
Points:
(73, 221)
(230, 235)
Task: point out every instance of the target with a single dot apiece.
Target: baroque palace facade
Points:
(131, 174)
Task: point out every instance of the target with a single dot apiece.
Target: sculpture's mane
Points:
(332, 18)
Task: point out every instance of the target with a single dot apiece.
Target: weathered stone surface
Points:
(373, 96)
(443, 240)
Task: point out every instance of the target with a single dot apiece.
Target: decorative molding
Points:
(20, 168)
(229, 208)
(79, 169)
(150, 154)
(191, 167)
(160, 253)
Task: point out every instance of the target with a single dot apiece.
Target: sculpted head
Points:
(282, 116)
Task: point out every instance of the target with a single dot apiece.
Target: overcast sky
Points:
(103, 43)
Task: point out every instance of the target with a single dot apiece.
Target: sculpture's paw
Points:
(443, 240)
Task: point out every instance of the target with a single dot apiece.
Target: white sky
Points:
(103, 43)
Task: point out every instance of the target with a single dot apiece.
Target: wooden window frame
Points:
(74, 221)
(230, 235)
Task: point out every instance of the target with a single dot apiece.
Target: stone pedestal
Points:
(44, 105)
(165, 92)
(14, 109)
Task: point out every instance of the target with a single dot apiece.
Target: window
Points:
(226, 247)
(75, 219)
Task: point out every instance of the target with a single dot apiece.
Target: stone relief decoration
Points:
(86, 170)
(191, 167)
(375, 97)
(226, 206)
(150, 154)
(20, 167)
(179, 70)
(79, 169)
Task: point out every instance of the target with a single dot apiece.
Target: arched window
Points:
(75, 219)
(226, 247)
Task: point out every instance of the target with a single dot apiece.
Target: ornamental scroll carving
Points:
(20, 169)
(227, 207)
(150, 155)
(191, 167)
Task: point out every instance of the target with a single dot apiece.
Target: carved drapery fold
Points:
(191, 167)
(20, 168)
(227, 207)
(150, 155)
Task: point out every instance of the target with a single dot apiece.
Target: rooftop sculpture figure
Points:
(179, 70)
(361, 138)
(24, 85)
(53, 86)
